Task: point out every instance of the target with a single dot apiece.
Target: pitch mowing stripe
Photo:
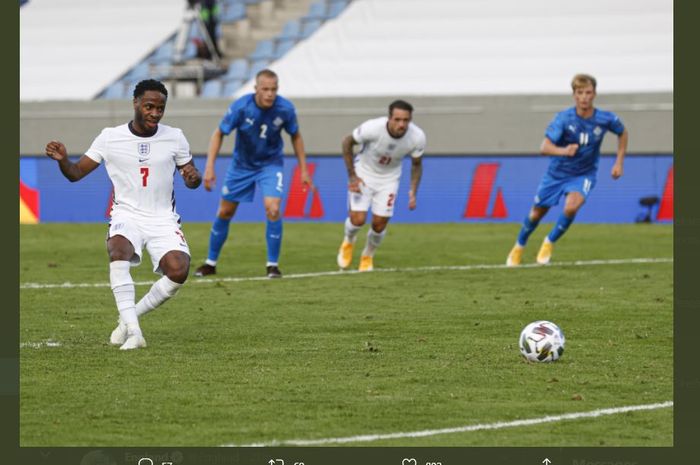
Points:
(461, 429)
(621, 261)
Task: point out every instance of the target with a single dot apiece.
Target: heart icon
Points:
(409, 462)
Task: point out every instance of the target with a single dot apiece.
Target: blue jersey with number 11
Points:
(569, 128)
(259, 131)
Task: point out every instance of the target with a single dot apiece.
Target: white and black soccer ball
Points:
(542, 341)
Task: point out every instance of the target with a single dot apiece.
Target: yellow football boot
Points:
(545, 253)
(515, 257)
(345, 254)
(366, 264)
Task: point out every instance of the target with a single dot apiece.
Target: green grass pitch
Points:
(256, 361)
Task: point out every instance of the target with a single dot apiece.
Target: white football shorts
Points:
(379, 196)
(158, 238)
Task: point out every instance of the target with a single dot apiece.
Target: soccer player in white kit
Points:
(141, 158)
(373, 176)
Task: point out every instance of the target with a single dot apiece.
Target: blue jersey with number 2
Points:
(259, 131)
(569, 128)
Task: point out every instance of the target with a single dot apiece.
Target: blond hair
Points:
(267, 73)
(583, 80)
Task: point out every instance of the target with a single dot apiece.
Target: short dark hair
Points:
(149, 84)
(401, 105)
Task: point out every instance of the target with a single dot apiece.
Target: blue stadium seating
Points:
(309, 27)
(264, 50)
(317, 10)
(282, 47)
(257, 66)
(291, 30)
(163, 54)
(231, 86)
(129, 93)
(237, 69)
(114, 91)
(212, 89)
(232, 13)
(138, 72)
(335, 7)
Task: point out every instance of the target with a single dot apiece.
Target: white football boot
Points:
(134, 341)
(119, 334)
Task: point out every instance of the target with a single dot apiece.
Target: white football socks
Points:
(351, 231)
(124, 294)
(162, 290)
(373, 241)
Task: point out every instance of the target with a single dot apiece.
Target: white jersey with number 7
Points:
(141, 169)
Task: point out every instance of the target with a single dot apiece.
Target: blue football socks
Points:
(528, 227)
(273, 234)
(560, 228)
(217, 237)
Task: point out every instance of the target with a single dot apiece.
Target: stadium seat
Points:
(129, 93)
(264, 50)
(211, 89)
(162, 71)
(237, 69)
(230, 87)
(336, 7)
(233, 12)
(309, 27)
(291, 30)
(317, 10)
(190, 50)
(138, 72)
(114, 91)
(257, 66)
(282, 47)
(163, 54)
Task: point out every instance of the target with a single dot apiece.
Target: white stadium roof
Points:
(466, 47)
(72, 49)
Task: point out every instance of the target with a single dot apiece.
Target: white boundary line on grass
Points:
(460, 429)
(39, 345)
(621, 261)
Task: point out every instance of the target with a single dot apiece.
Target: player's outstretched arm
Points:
(190, 175)
(300, 152)
(348, 156)
(621, 152)
(548, 148)
(72, 171)
(212, 151)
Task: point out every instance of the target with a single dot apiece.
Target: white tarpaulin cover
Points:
(72, 49)
(464, 47)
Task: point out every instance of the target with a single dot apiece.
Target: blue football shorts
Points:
(551, 189)
(240, 183)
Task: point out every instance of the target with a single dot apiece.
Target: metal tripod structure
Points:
(193, 18)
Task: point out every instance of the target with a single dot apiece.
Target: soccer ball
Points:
(542, 341)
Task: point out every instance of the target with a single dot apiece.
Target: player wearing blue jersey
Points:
(573, 139)
(258, 119)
